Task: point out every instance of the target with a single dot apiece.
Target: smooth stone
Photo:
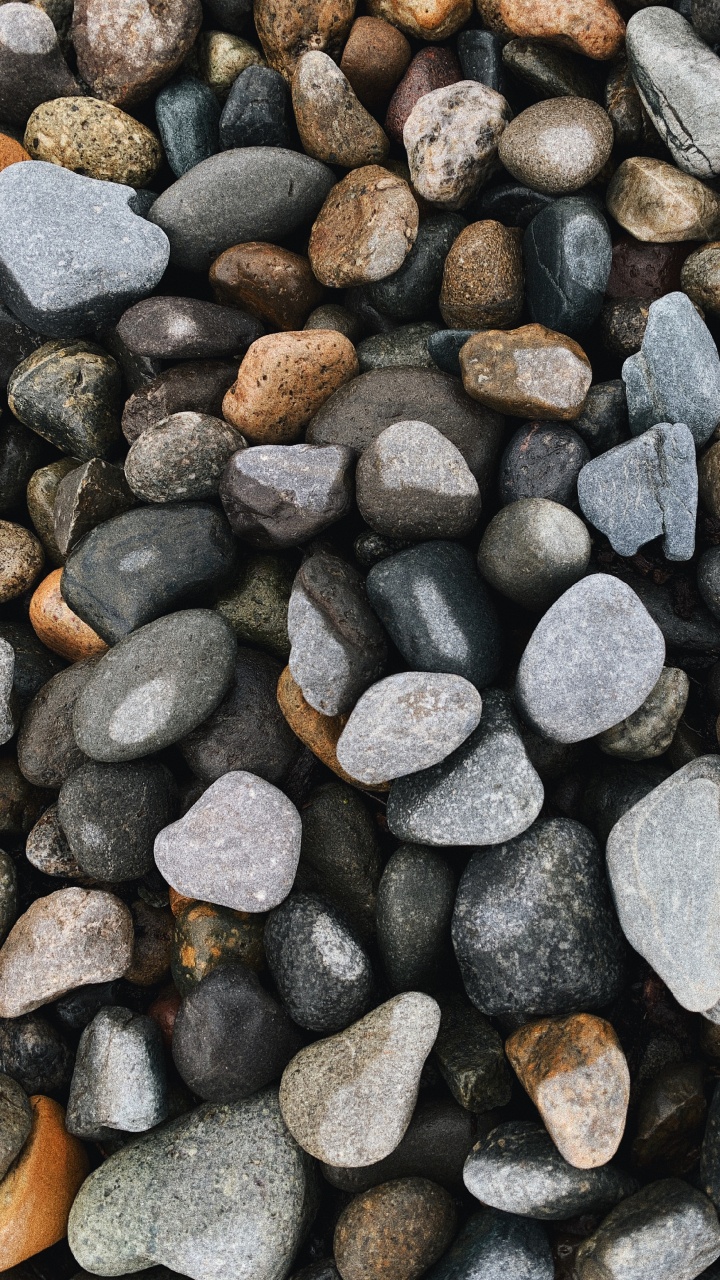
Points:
(532, 372)
(412, 482)
(699, 278)
(134, 1211)
(375, 57)
(230, 1037)
(256, 604)
(400, 1227)
(90, 494)
(8, 894)
(485, 792)
(400, 348)
(34, 664)
(111, 813)
(550, 72)
(73, 254)
(197, 386)
(237, 846)
(348, 1100)
(591, 661)
(533, 550)
(365, 229)
(434, 21)
(277, 496)
(435, 1145)
(119, 1077)
(187, 329)
(482, 284)
(32, 68)
(603, 422)
(444, 347)
(340, 856)
(125, 54)
(34, 1054)
(155, 686)
(649, 731)
(481, 58)
(668, 1226)
(660, 204)
(42, 488)
(256, 111)
(21, 561)
(451, 137)
(188, 117)
(432, 68)
(272, 283)
(46, 748)
(469, 1053)
(321, 971)
(557, 146)
(676, 375)
(181, 458)
(17, 342)
(542, 461)
(209, 938)
(70, 394)
(534, 930)
(410, 293)
(567, 252)
(11, 152)
(223, 57)
(15, 1121)
(497, 1246)
(64, 940)
(518, 1169)
(57, 627)
(590, 27)
(286, 31)
(333, 124)
(95, 139)
(414, 906)
(145, 562)
(511, 203)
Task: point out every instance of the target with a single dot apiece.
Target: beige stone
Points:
(365, 229)
(657, 203)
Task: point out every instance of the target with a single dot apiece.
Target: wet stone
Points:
(124, 55)
(531, 372)
(181, 458)
(667, 1226)
(451, 137)
(557, 146)
(187, 329)
(660, 204)
(194, 387)
(414, 905)
(402, 348)
(95, 139)
(119, 1077)
(649, 731)
(271, 283)
(401, 1227)
(70, 394)
(482, 285)
(365, 229)
(430, 69)
(110, 815)
(188, 116)
(497, 1244)
(481, 58)
(15, 1121)
(562, 294)
(470, 1055)
(374, 59)
(89, 495)
(277, 496)
(32, 68)
(533, 550)
(209, 937)
(676, 375)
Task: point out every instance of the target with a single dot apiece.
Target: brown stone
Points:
(430, 69)
(491, 18)
(37, 1193)
(394, 1231)
(558, 145)
(287, 28)
(700, 277)
(164, 1011)
(58, 627)
(645, 270)
(374, 60)
(365, 229)
(622, 325)
(576, 1074)
(41, 492)
(95, 139)
(317, 732)
(127, 48)
(709, 479)
(178, 901)
(630, 121)
(424, 19)
(655, 202)
(152, 952)
(332, 122)
(670, 1120)
(482, 285)
(11, 151)
(21, 559)
(531, 372)
(591, 27)
(284, 379)
(272, 283)
(208, 936)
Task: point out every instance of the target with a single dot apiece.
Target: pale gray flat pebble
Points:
(119, 1079)
(15, 1121)
(648, 732)
(279, 495)
(9, 711)
(675, 376)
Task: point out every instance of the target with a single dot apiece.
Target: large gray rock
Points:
(675, 376)
(119, 1078)
(73, 255)
(590, 662)
(667, 1230)
(223, 1193)
(497, 1246)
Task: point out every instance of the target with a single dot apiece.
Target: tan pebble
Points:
(332, 122)
(558, 145)
(591, 27)
(11, 152)
(424, 19)
(21, 559)
(700, 277)
(657, 203)
(531, 372)
(288, 28)
(125, 50)
(93, 138)
(482, 285)
(58, 627)
(222, 57)
(271, 283)
(365, 229)
(374, 60)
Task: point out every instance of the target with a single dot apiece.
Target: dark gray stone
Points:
(188, 116)
(257, 112)
(70, 394)
(87, 496)
(15, 1121)
(230, 15)
(675, 377)
(340, 857)
(414, 907)
(119, 1077)
(708, 579)
(410, 293)
(16, 343)
(567, 252)
(171, 328)
(21, 453)
(46, 748)
(667, 1230)
(497, 1246)
(436, 1144)
(603, 422)
(34, 1053)
(686, 625)
(280, 495)
(471, 1057)
(197, 386)
(8, 894)
(445, 345)
(181, 458)
(32, 68)
(400, 348)
(551, 72)
(480, 54)
(705, 16)
(533, 550)
(111, 813)
(542, 460)
(509, 202)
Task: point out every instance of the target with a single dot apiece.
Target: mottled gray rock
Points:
(278, 495)
(32, 68)
(47, 849)
(238, 845)
(176, 328)
(73, 255)
(649, 731)
(643, 489)
(710, 1151)
(70, 393)
(8, 702)
(87, 496)
(485, 792)
(412, 482)
(414, 906)
(182, 1196)
(15, 1121)
(591, 661)
(119, 1078)
(402, 348)
(111, 813)
(181, 458)
(667, 1230)
(533, 550)
(497, 1246)
(675, 377)
(451, 138)
(8, 894)
(470, 1054)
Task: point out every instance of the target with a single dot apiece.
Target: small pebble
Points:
(21, 558)
(399, 1227)
(197, 386)
(649, 731)
(557, 146)
(280, 495)
(411, 482)
(15, 1121)
(533, 550)
(58, 627)
(432, 68)
(111, 813)
(182, 458)
(70, 394)
(208, 938)
(374, 59)
(188, 117)
(286, 31)
(482, 285)
(591, 27)
(332, 122)
(88, 496)
(414, 906)
(256, 111)
(222, 58)
(119, 1077)
(186, 329)
(531, 372)
(657, 203)
(560, 295)
(469, 1053)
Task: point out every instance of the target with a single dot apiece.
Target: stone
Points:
(510, 202)
(15, 1121)
(21, 557)
(671, 1116)
(557, 146)
(482, 285)
(47, 751)
(135, 1211)
(333, 124)
(531, 372)
(567, 253)
(272, 283)
(34, 664)
(284, 379)
(534, 930)
(645, 270)
(208, 938)
(340, 854)
(400, 348)
(667, 1226)
(707, 579)
(111, 813)
(445, 346)
(533, 550)
(187, 328)
(592, 660)
(21, 452)
(480, 54)
(709, 479)
(143, 563)
(348, 1100)
(399, 1228)
(649, 731)
(256, 112)
(8, 894)
(152, 952)
(256, 605)
(695, 631)
(676, 375)
(8, 706)
(278, 495)
(576, 1074)
(35, 1055)
(414, 906)
(197, 386)
(32, 68)
(287, 31)
(622, 326)
(365, 229)
(237, 846)
(17, 341)
(374, 60)
(58, 627)
(432, 68)
(704, 17)
(497, 1244)
(550, 72)
(411, 292)
(594, 29)
(42, 489)
(124, 54)
(182, 458)
(699, 278)
(451, 137)
(188, 117)
(155, 686)
(517, 1169)
(469, 1053)
(95, 139)
(318, 732)
(431, 22)
(73, 254)
(11, 152)
(435, 1146)
(412, 482)
(250, 193)
(48, 851)
(485, 792)
(630, 121)
(64, 940)
(542, 462)
(90, 494)
(119, 1077)
(70, 394)
(658, 203)
(223, 57)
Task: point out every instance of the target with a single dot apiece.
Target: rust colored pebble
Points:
(58, 627)
(531, 372)
(430, 69)
(271, 283)
(178, 901)
(164, 1011)
(283, 380)
(394, 1231)
(288, 28)
(365, 229)
(591, 27)
(317, 732)
(37, 1193)
(482, 283)
(374, 60)
(646, 271)
(21, 559)
(11, 151)
(424, 19)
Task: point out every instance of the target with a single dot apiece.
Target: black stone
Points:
(47, 750)
(411, 293)
(76, 1010)
(21, 453)
(340, 857)
(444, 346)
(16, 342)
(705, 17)
(34, 664)
(187, 329)
(614, 787)
(256, 112)
(414, 908)
(111, 813)
(542, 460)
(510, 203)
(481, 58)
(196, 387)
(436, 1145)
(497, 1246)
(34, 1053)
(603, 422)
(70, 394)
(567, 253)
(686, 623)
(471, 1057)
(230, 15)
(188, 115)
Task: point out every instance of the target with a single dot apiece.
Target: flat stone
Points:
(257, 110)
(374, 59)
(567, 252)
(135, 1211)
(451, 137)
(501, 1244)
(272, 283)
(15, 1121)
(414, 905)
(188, 116)
(658, 203)
(594, 29)
(676, 375)
(238, 845)
(432, 68)
(187, 329)
(400, 1227)
(412, 482)
(64, 940)
(404, 347)
(111, 813)
(534, 930)
(95, 139)
(591, 661)
(667, 1226)
(86, 497)
(485, 792)
(469, 1053)
(286, 31)
(125, 55)
(340, 855)
(531, 372)
(649, 731)
(533, 550)
(435, 1145)
(70, 394)
(365, 229)
(348, 1100)
(557, 146)
(73, 255)
(280, 495)
(198, 386)
(333, 124)
(482, 284)
(119, 1077)
(32, 68)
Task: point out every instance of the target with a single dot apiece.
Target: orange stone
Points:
(424, 19)
(178, 901)
(58, 627)
(11, 151)
(531, 372)
(271, 283)
(37, 1193)
(318, 732)
(591, 27)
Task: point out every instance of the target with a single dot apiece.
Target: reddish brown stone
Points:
(531, 372)
(374, 60)
(590, 27)
(164, 1011)
(394, 1231)
(424, 19)
(333, 124)
(430, 69)
(152, 950)
(483, 278)
(58, 627)
(128, 48)
(288, 28)
(271, 283)
(365, 229)
(11, 151)
(645, 270)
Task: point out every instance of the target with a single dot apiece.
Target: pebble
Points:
(623, 325)
(432, 68)
(592, 660)
(238, 845)
(374, 60)
(399, 1228)
(550, 72)
(119, 1077)
(659, 469)
(279, 495)
(197, 386)
(73, 254)
(412, 291)
(594, 29)
(95, 139)
(287, 31)
(414, 906)
(55, 624)
(649, 731)
(531, 372)
(8, 894)
(256, 606)
(485, 792)
(340, 854)
(510, 202)
(482, 284)
(672, 1112)
(412, 482)
(11, 152)
(533, 550)
(47, 751)
(333, 124)
(469, 1053)
(557, 146)
(230, 1037)
(271, 283)
(64, 940)
(676, 375)
(709, 479)
(436, 21)
(111, 813)
(70, 394)
(705, 19)
(256, 112)
(315, 730)
(576, 1074)
(365, 229)
(223, 57)
(182, 458)
(186, 328)
(18, 341)
(699, 278)
(400, 348)
(645, 270)
(493, 1244)
(208, 938)
(534, 930)
(134, 1211)
(657, 203)
(21, 558)
(667, 1226)
(481, 58)
(125, 54)
(90, 494)
(435, 1145)
(188, 118)
(561, 294)
(32, 68)
(15, 1121)
(348, 1100)
(451, 137)
(34, 1053)
(41, 491)
(542, 462)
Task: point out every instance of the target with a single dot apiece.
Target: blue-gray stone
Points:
(497, 1246)
(187, 115)
(667, 1230)
(675, 376)
(444, 346)
(603, 422)
(480, 54)
(567, 253)
(645, 489)
(73, 255)
(256, 111)
(411, 292)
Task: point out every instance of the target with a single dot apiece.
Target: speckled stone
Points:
(196, 386)
(280, 495)
(531, 372)
(497, 1244)
(271, 283)
(676, 375)
(21, 560)
(181, 458)
(622, 326)
(365, 229)
(469, 1053)
(432, 68)
(32, 68)
(208, 937)
(9, 711)
(657, 203)
(399, 1228)
(188, 116)
(47, 849)
(434, 21)
(119, 1077)
(87, 496)
(649, 731)
(333, 124)
(700, 278)
(340, 856)
(567, 252)
(591, 27)
(482, 285)
(405, 347)
(451, 137)
(70, 394)
(668, 1229)
(374, 59)
(286, 31)
(542, 461)
(223, 58)
(8, 894)
(558, 145)
(414, 906)
(257, 110)
(111, 813)
(34, 1053)
(348, 1100)
(256, 604)
(533, 550)
(125, 54)
(15, 1121)
(95, 139)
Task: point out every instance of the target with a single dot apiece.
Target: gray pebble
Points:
(533, 550)
(675, 377)
(649, 731)
(412, 482)
(119, 1077)
(340, 857)
(667, 1230)
(32, 68)
(497, 1246)
(111, 813)
(48, 851)
(405, 347)
(471, 1057)
(181, 458)
(414, 906)
(15, 1121)
(279, 495)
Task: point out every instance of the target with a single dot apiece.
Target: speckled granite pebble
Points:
(119, 1077)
